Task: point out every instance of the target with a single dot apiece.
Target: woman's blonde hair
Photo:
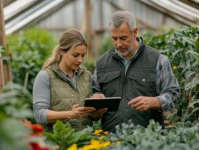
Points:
(68, 40)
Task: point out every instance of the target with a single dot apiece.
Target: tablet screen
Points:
(112, 103)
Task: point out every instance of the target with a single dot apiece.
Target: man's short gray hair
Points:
(120, 17)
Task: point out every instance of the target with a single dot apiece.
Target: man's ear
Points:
(135, 32)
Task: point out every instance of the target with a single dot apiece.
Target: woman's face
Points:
(74, 57)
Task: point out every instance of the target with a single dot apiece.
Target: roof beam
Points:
(193, 3)
(184, 19)
(7, 2)
(34, 15)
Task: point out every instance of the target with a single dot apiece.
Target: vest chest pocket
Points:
(141, 83)
(109, 83)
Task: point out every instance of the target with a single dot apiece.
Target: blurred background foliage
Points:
(29, 48)
(15, 106)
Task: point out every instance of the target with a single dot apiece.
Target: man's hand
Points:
(97, 114)
(143, 103)
(98, 95)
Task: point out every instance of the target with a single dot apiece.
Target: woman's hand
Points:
(80, 112)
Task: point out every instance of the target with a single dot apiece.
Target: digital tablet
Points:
(112, 103)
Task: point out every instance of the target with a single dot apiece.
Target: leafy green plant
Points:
(64, 136)
(106, 44)
(1, 49)
(15, 103)
(127, 137)
(182, 48)
(182, 136)
(12, 135)
(4, 55)
(29, 49)
(90, 65)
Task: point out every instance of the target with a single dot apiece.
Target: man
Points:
(136, 72)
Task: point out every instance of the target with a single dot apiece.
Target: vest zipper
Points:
(123, 94)
(124, 88)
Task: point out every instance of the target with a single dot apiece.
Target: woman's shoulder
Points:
(42, 78)
(43, 74)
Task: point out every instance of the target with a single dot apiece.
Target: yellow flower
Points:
(174, 67)
(106, 132)
(94, 142)
(105, 144)
(95, 145)
(97, 132)
(101, 138)
(118, 142)
(73, 147)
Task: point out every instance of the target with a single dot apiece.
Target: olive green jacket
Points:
(64, 95)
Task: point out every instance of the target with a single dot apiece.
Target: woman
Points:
(62, 85)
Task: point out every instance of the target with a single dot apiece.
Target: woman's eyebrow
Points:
(78, 53)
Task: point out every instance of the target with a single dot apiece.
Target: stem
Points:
(26, 80)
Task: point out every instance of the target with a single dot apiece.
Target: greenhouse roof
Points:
(22, 13)
(176, 9)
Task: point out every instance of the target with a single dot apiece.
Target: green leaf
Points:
(194, 54)
(193, 103)
(58, 127)
(188, 40)
(2, 49)
(194, 110)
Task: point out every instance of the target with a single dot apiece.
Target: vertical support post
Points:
(86, 26)
(5, 70)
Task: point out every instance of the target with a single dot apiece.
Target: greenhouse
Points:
(99, 74)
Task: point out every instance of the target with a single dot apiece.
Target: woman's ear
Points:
(61, 52)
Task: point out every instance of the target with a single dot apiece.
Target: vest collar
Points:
(57, 70)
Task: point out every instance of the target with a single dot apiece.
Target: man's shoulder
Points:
(151, 49)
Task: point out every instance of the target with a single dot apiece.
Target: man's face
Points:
(124, 40)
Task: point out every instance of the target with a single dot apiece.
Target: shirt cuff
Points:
(165, 101)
